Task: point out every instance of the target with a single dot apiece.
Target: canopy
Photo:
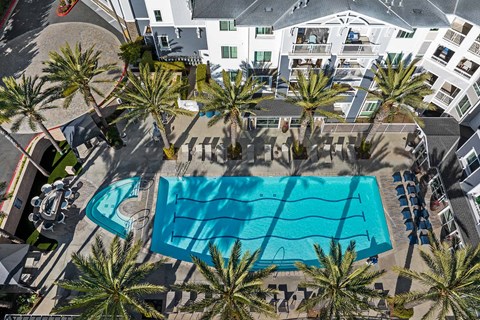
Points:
(80, 130)
(12, 261)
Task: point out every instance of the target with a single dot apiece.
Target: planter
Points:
(63, 10)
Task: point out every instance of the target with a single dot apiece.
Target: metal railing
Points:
(359, 49)
(312, 49)
(443, 97)
(475, 48)
(462, 72)
(345, 74)
(454, 37)
(305, 71)
(439, 60)
(364, 127)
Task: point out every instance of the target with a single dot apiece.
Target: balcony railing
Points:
(312, 49)
(444, 98)
(439, 60)
(305, 71)
(359, 49)
(348, 74)
(463, 73)
(454, 37)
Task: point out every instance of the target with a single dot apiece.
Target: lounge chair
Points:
(268, 152)
(408, 176)
(313, 153)
(282, 305)
(424, 239)
(425, 225)
(327, 152)
(339, 150)
(424, 214)
(285, 153)
(47, 226)
(198, 152)
(297, 299)
(409, 225)
(414, 201)
(184, 153)
(397, 177)
(412, 189)
(403, 201)
(400, 190)
(220, 153)
(406, 214)
(208, 152)
(351, 153)
(412, 237)
(251, 153)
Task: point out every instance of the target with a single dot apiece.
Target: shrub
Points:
(400, 311)
(201, 76)
(173, 66)
(364, 149)
(131, 52)
(147, 59)
(113, 137)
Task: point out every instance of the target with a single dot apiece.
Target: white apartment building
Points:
(277, 39)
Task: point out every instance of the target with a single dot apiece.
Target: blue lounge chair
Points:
(424, 214)
(417, 214)
(409, 225)
(397, 177)
(414, 201)
(406, 214)
(425, 225)
(411, 189)
(424, 239)
(413, 238)
(403, 201)
(400, 190)
(408, 176)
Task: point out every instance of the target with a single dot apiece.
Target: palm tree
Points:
(233, 290)
(399, 91)
(73, 71)
(230, 100)
(3, 197)
(153, 94)
(342, 288)
(26, 100)
(452, 281)
(8, 136)
(311, 94)
(112, 282)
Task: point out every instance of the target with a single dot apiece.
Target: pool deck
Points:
(140, 157)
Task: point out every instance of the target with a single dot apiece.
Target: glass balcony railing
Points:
(312, 49)
(444, 98)
(359, 49)
(454, 37)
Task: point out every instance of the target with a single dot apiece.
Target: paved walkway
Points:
(141, 156)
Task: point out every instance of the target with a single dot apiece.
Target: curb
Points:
(63, 14)
(7, 15)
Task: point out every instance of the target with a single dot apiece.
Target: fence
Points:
(364, 127)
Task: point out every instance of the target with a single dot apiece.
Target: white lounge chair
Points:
(208, 152)
(268, 153)
(184, 153)
(339, 150)
(251, 153)
(313, 153)
(327, 152)
(220, 152)
(285, 153)
(351, 153)
(198, 152)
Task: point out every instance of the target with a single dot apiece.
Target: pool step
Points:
(135, 190)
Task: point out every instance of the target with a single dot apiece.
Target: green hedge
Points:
(173, 66)
(147, 59)
(201, 75)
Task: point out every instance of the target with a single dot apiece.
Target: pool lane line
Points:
(359, 198)
(262, 199)
(270, 217)
(272, 236)
(363, 216)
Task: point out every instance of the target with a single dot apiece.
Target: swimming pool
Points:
(103, 207)
(284, 216)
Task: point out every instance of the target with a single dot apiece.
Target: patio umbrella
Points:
(12, 261)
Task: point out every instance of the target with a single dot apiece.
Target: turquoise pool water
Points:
(103, 207)
(284, 216)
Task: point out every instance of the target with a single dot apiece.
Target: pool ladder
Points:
(182, 169)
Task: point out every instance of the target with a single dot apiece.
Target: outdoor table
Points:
(50, 205)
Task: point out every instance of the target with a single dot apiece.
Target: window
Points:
(295, 123)
(264, 122)
(263, 56)
(476, 86)
(369, 108)
(472, 161)
(395, 58)
(233, 74)
(405, 34)
(263, 30)
(463, 106)
(227, 26)
(266, 80)
(229, 52)
(163, 39)
(158, 15)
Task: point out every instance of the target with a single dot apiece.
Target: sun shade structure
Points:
(12, 261)
(81, 130)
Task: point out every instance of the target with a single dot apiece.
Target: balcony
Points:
(346, 64)
(294, 73)
(475, 47)
(466, 68)
(313, 49)
(432, 78)
(447, 93)
(306, 63)
(312, 36)
(457, 32)
(348, 74)
(443, 55)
